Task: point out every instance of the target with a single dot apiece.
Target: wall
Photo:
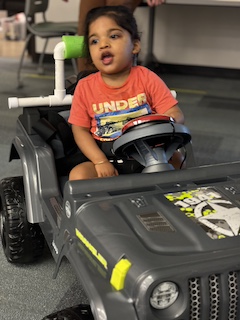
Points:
(195, 35)
(184, 34)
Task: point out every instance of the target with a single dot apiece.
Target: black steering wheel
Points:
(151, 140)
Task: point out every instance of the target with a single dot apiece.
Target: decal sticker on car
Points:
(218, 216)
(92, 249)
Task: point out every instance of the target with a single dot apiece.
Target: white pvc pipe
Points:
(59, 98)
(58, 55)
(49, 101)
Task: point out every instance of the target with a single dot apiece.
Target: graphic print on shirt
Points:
(109, 124)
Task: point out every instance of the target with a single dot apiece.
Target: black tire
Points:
(79, 312)
(22, 242)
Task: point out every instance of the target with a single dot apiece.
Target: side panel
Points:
(39, 174)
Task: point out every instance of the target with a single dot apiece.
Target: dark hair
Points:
(120, 14)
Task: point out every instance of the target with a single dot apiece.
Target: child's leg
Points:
(85, 170)
(177, 160)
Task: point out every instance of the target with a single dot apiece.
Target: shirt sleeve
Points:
(79, 115)
(159, 94)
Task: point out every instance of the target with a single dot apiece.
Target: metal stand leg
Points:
(19, 82)
(74, 64)
(40, 62)
(150, 56)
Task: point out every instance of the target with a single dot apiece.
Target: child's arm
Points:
(176, 113)
(152, 3)
(90, 149)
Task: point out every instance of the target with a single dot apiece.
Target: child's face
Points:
(111, 47)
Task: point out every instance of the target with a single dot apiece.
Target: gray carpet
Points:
(212, 110)
(212, 113)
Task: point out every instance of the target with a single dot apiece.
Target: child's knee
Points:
(75, 175)
(178, 160)
(82, 171)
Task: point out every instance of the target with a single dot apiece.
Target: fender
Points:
(35, 155)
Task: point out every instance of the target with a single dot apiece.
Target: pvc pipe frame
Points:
(59, 98)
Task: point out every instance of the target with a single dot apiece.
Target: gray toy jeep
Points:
(162, 244)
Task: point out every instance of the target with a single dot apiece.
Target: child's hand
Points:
(105, 169)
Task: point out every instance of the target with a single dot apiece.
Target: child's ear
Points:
(136, 47)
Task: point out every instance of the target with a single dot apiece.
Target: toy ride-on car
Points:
(162, 244)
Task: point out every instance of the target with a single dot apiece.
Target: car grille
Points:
(217, 292)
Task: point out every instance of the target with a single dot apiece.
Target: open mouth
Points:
(107, 58)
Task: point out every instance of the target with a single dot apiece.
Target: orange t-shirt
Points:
(105, 110)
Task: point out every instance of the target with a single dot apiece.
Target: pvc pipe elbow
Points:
(59, 51)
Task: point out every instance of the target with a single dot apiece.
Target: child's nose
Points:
(104, 43)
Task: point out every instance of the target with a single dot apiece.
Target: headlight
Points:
(164, 295)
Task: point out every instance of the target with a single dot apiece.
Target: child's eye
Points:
(114, 36)
(93, 41)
